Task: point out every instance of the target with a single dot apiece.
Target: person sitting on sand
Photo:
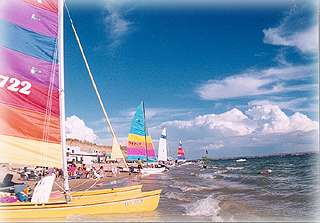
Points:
(79, 173)
(95, 173)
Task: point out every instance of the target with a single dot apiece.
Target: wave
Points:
(208, 207)
(206, 176)
(176, 196)
(234, 168)
(187, 188)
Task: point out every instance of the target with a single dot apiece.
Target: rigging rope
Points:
(93, 82)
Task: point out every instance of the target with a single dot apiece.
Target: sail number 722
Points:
(15, 85)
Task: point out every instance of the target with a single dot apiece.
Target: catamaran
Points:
(162, 150)
(180, 156)
(140, 146)
(32, 114)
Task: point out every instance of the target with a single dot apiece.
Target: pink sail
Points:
(29, 83)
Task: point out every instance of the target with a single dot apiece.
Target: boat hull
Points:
(141, 202)
(105, 191)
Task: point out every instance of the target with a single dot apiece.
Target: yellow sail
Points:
(19, 151)
(116, 153)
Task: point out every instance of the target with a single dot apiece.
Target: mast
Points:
(62, 102)
(145, 130)
(108, 123)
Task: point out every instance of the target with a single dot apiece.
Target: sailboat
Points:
(140, 146)
(162, 150)
(180, 155)
(32, 114)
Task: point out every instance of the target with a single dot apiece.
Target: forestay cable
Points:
(93, 82)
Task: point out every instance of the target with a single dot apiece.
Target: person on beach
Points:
(139, 165)
(85, 171)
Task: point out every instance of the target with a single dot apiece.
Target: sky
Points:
(234, 79)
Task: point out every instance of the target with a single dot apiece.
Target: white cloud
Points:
(116, 23)
(256, 82)
(271, 119)
(214, 146)
(260, 129)
(261, 119)
(306, 41)
(292, 32)
(302, 104)
(77, 129)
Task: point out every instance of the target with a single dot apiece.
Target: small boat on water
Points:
(32, 115)
(140, 146)
(241, 160)
(180, 154)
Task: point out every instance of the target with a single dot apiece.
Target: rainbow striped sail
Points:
(140, 144)
(29, 83)
(180, 155)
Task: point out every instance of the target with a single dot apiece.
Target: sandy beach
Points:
(85, 184)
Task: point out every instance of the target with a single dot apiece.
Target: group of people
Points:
(39, 172)
(13, 192)
(85, 172)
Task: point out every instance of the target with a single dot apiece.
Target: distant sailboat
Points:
(140, 146)
(180, 155)
(162, 151)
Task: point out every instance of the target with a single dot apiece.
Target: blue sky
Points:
(233, 81)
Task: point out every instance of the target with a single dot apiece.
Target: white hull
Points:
(241, 160)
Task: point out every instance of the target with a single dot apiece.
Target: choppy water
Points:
(234, 191)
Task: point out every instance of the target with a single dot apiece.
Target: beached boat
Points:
(142, 202)
(105, 191)
(140, 146)
(180, 154)
(99, 196)
(32, 114)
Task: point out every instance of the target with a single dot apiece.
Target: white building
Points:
(74, 153)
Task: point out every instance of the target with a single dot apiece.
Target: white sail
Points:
(162, 150)
(43, 189)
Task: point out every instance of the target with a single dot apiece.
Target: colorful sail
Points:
(29, 83)
(140, 144)
(162, 150)
(180, 152)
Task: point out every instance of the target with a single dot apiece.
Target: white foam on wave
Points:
(208, 207)
(221, 171)
(206, 176)
(234, 168)
(186, 188)
(176, 196)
